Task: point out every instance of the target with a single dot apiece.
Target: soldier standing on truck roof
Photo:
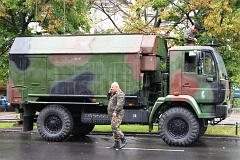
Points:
(190, 34)
(116, 99)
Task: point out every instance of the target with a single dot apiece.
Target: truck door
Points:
(200, 76)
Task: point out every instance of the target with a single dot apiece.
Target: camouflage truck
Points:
(61, 83)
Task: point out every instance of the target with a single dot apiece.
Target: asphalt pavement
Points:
(30, 146)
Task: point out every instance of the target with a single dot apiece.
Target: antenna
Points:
(36, 16)
(64, 8)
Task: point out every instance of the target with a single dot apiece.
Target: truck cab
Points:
(203, 76)
(196, 93)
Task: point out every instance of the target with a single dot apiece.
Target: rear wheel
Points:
(81, 129)
(178, 127)
(55, 123)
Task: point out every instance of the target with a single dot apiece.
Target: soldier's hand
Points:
(195, 39)
(114, 114)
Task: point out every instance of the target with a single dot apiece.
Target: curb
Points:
(149, 134)
(133, 134)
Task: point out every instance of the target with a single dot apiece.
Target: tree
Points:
(4, 70)
(169, 19)
(54, 16)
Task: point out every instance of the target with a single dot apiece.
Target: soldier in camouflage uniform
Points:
(190, 34)
(116, 99)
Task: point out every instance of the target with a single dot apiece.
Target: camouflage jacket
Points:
(189, 36)
(116, 101)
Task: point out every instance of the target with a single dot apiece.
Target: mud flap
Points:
(28, 123)
(221, 111)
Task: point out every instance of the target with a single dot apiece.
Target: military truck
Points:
(61, 83)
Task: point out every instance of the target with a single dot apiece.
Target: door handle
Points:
(186, 85)
(35, 84)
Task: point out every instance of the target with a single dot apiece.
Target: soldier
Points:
(190, 34)
(116, 99)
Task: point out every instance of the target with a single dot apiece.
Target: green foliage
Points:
(3, 70)
(108, 31)
(16, 15)
(55, 17)
(160, 4)
(69, 17)
(236, 103)
(220, 20)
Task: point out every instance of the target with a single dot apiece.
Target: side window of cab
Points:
(189, 62)
(208, 64)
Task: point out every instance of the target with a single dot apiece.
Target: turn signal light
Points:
(94, 100)
(176, 93)
(15, 100)
(130, 104)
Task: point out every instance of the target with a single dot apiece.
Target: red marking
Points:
(134, 63)
(13, 92)
(179, 79)
(176, 84)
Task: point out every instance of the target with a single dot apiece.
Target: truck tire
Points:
(81, 129)
(95, 118)
(55, 123)
(178, 127)
(202, 128)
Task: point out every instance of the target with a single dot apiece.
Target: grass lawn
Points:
(6, 125)
(213, 130)
(223, 130)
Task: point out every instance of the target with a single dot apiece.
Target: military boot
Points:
(124, 142)
(116, 145)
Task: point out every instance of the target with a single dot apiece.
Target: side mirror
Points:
(209, 79)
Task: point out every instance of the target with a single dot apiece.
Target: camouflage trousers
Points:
(115, 125)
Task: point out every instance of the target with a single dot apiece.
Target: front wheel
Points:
(55, 123)
(178, 127)
(203, 124)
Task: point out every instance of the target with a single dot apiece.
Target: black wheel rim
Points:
(177, 128)
(53, 124)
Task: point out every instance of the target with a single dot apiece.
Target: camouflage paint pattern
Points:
(196, 84)
(81, 69)
(80, 66)
(207, 94)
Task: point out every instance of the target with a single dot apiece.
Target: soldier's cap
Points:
(197, 26)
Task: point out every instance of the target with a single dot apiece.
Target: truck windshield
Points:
(221, 65)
